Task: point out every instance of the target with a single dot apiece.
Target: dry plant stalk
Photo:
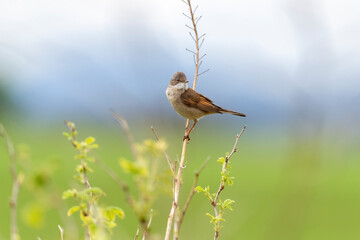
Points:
(16, 183)
(137, 232)
(61, 232)
(177, 177)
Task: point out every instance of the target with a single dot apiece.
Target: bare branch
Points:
(195, 9)
(127, 131)
(185, 2)
(198, 20)
(204, 72)
(187, 16)
(202, 56)
(189, 27)
(190, 51)
(202, 41)
(165, 153)
(16, 183)
(192, 36)
(200, 64)
(137, 232)
(148, 225)
(177, 179)
(61, 232)
(202, 36)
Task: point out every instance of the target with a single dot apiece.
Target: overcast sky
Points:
(67, 54)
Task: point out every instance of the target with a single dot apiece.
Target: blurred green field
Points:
(284, 189)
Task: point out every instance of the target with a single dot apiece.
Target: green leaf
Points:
(95, 191)
(69, 193)
(90, 140)
(212, 218)
(227, 204)
(221, 160)
(133, 168)
(199, 189)
(118, 212)
(72, 210)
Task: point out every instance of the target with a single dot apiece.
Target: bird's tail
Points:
(232, 112)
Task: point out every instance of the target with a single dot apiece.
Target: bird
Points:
(191, 104)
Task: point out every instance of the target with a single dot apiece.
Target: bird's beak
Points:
(186, 81)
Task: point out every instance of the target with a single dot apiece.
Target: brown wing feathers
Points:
(194, 99)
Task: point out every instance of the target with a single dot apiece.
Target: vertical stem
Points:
(197, 45)
(177, 183)
(16, 182)
(177, 178)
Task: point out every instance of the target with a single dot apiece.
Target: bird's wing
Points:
(193, 99)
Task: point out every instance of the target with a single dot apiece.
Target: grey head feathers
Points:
(178, 77)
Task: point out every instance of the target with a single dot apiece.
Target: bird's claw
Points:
(186, 137)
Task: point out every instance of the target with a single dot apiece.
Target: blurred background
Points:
(291, 65)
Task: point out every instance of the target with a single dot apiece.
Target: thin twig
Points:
(192, 36)
(190, 51)
(198, 20)
(146, 231)
(187, 16)
(177, 179)
(196, 43)
(61, 232)
(16, 183)
(192, 192)
(165, 153)
(127, 131)
(202, 36)
(189, 27)
(222, 184)
(137, 232)
(202, 56)
(204, 71)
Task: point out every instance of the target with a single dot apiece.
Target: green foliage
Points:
(95, 218)
(216, 202)
(148, 176)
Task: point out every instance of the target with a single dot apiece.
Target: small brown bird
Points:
(189, 103)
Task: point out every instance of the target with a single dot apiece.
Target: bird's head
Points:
(178, 77)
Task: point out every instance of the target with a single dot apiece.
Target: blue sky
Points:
(88, 56)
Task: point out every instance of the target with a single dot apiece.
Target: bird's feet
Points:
(186, 137)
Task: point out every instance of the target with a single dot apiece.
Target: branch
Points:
(137, 232)
(61, 232)
(166, 155)
(222, 184)
(192, 192)
(148, 226)
(127, 131)
(194, 22)
(177, 179)
(16, 183)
